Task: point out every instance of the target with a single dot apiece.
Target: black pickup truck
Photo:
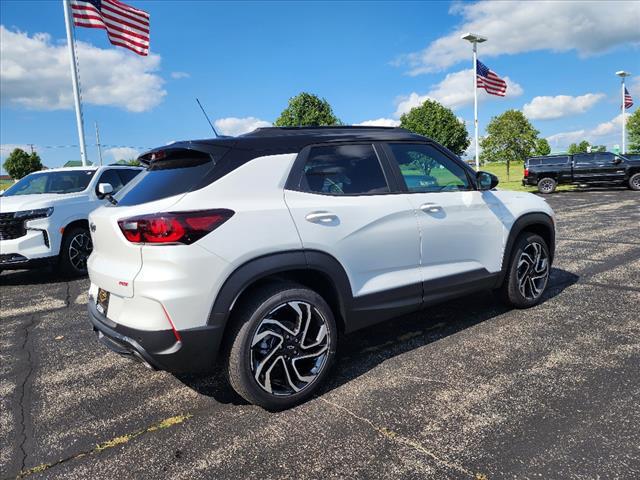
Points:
(582, 169)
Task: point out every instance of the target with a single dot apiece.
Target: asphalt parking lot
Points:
(467, 389)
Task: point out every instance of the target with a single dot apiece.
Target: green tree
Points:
(510, 138)
(307, 110)
(633, 130)
(20, 163)
(582, 147)
(439, 123)
(542, 147)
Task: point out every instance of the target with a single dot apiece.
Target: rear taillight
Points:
(174, 227)
(526, 172)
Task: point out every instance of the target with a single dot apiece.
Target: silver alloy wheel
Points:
(546, 185)
(635, 182)
(532, 273)
(290, 348)
(80, 248)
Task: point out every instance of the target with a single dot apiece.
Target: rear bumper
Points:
(195, 352)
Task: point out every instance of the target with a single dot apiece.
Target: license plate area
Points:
(102, 301)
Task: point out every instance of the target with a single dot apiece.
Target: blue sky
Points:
(371, 60)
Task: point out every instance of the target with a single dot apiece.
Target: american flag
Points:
(628, 101)
(126, 26)
(488, 80)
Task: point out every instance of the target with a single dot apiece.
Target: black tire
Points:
(74, 251)
(547, 185)
(634, 182)
(243, 361)
(510, 292)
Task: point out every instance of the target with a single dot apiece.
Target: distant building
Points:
(73, 163)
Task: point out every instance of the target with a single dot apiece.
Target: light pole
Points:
(622, 74)
(475, 40)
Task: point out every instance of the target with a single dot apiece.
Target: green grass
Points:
(4, 184)
(514, 182)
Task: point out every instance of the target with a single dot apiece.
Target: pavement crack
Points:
(24, 393)
(114, 442)
(396, 437)
(67, 298)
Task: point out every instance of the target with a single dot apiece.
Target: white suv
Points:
(260, 251)
(43, 217)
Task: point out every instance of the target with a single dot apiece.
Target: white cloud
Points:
(34, 73)
(456, 90)
(545, 108)
(608, 133)
(237, 126)
(379, 122)
(179, 75)
(123, 153)
(514, 27)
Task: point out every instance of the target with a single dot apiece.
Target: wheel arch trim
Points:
(252, 271)
(524, 222)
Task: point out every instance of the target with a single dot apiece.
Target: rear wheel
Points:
(528, 273)
(547, 185)
(282, 345)
(74, 252)
(634, 181)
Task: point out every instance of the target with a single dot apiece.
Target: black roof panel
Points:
(293, 139)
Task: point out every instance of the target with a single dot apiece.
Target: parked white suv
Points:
(261, 250)
(43, 217)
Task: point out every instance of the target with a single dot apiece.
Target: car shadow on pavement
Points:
(38, 276)
(363, 350)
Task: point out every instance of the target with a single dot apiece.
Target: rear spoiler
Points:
(173, 156)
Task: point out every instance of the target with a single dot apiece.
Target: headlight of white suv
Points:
(36, 213)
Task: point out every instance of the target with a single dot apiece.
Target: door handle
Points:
(430, 208)
(321, 217)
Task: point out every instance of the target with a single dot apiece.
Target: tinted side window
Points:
(127, 174)
(556, 161)
(584, 159)
(344, 170)
(604, 157)
(426, 169)
(112, 177)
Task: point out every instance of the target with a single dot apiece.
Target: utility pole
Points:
(98, 142)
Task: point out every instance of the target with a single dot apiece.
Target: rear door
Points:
(587, 167)
(462, 229)
(343, 203)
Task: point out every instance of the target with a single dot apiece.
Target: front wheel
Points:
(74, 252)
(528, 273)
(547, 185)
(282, 345)
(634, 181)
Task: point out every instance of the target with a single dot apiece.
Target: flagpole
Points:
(74, 81)
(475, 40)
(624, 126)
(475, 102)
(622, 74)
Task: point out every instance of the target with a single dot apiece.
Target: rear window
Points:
(179, 173)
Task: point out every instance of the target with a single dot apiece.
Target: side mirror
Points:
(617, 160)
(486, 180)
(104, 189)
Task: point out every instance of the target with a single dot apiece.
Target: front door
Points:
(462, 232)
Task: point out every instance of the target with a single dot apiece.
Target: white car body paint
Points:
(67, 208)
